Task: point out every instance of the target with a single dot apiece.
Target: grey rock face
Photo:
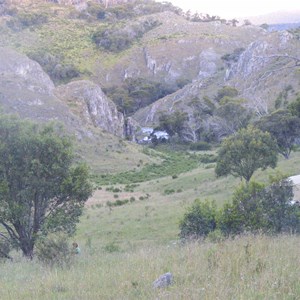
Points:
(87, 99)
(163, 280)
(29, 71)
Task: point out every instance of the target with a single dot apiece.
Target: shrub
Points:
(54, 250)
(199, 220)
(208, 158)
(200, 146)
(169, 191)
(258, 208)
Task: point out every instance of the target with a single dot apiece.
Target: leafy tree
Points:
(40, 190)
(173, 123)
(226, 91)
(284, 127)
(231, 117)
(245, 152)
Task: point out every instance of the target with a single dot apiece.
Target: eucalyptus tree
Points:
(41, 191)
(243, 153)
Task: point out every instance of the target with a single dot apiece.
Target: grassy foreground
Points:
(125, 248)
(245, 268)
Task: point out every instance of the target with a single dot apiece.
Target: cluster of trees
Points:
(54, 66)
(196, 17)
(136, 93)
(214, 120)
(128, 10)
(22, 20)
(255, 208)
(41, 190)
(116, 39)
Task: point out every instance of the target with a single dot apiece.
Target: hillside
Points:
(106, 68)
(147, 57)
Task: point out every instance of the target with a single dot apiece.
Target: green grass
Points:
(173, 164)
(125, 248)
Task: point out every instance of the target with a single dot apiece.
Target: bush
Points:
(54, 250)
(208, 158)
(257, 208)
(199, 220)
(200, 146)
(254, 208)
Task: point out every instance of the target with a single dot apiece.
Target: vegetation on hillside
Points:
(255, 207)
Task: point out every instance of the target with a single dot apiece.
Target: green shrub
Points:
(54, 250)
(208, 158)
(169, 191)
(200, 146)
(199, 220)
(256, 208)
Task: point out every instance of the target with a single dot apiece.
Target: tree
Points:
(231, 117)
(173, 123)
(284, 127)
(246, 151)
(294, 107)
(40, 189)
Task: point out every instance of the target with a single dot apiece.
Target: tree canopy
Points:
(246, 151)
(40, 189)
(284, 127)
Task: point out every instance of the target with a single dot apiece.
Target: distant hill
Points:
(284, 26)
(279, 17)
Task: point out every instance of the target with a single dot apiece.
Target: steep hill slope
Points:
(85, 46)
(26, 90)
(265, 74)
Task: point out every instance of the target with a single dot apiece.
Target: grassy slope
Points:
(124, 249)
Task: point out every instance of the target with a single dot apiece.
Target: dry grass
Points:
(249, 267)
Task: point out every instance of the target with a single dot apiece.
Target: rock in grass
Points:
(163, 281)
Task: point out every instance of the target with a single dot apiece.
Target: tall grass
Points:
(248, 267)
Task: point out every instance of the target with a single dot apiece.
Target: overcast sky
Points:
(237, 8)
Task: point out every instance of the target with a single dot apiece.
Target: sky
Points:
(237, 8)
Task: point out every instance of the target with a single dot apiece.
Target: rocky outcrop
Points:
(27, 90)
(27, 71)
(88, 100)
